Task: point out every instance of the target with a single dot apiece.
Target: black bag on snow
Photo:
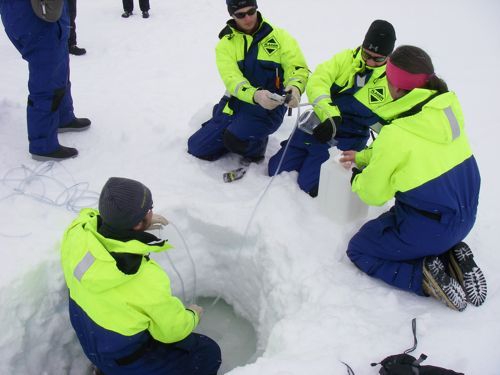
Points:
(405, 364)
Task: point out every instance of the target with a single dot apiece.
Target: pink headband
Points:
(402, 79)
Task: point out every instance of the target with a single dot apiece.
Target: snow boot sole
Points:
(438, 284)
(468, 274)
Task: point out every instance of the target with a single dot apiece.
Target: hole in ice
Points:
(234, 334)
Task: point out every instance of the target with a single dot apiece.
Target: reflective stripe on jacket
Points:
(122, 303)
(270, 59)
(344, 86)
(422, 158)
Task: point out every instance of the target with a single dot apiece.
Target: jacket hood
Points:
(440, 120)
(87, 253)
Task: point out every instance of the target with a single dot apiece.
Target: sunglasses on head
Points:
(366, 56)
(241, 15)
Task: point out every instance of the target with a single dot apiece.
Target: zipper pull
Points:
(44, 10)
(277, 81)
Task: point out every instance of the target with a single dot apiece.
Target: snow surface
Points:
(147, 85)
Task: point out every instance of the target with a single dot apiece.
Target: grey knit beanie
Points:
(124, 202)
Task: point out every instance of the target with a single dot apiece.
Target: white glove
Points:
(197, 309)
(157, 222)
(263, 98)
(295, 100)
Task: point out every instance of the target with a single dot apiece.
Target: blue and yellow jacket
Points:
(345, 86)
(422, 158)
(270, 59)
(125, 310)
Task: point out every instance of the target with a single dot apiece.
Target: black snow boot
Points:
(77, 51)
(468, 274)
(77, 125)
(438, 284)
(61, 154)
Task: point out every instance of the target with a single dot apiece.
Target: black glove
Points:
(355, 172)
(399, 364)
(325, 131)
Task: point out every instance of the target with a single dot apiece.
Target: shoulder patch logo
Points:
(271, 45)
(376, 95)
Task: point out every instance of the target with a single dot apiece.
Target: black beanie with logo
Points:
(380, 38)
(234, 5)
(123, 203)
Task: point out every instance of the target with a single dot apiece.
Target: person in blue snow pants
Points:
(423, 160)
(196, 354)
(346, 91)
(255, 60)
(44, 45)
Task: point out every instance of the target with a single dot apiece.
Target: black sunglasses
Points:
(241, 15)
(366, 56)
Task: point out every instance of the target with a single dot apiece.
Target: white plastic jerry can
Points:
(335, 196)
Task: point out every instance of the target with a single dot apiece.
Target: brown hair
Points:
(415, 60)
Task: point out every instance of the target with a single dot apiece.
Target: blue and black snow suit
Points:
(44, 45)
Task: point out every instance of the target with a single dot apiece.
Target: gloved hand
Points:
(295, 96)
(355, 172)
(325, 131)
(197, 309)
(157, 222)
(262, 98)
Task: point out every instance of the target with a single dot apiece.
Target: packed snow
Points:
(147, 85)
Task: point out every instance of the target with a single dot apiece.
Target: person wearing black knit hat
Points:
(234, 5)
(380, 38)
(264, 72)
(346, 92)
(121, 305)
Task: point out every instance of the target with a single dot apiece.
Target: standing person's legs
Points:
(144, 5)
(72, 18)
(66, 112)
(128, 5)
(44, 46)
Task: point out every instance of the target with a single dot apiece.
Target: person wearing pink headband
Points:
(423, 160)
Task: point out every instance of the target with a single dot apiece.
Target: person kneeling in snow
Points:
(120, 304)
(345, 91)
(422, 159)
(258, 63)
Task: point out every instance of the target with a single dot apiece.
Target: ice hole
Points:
(235, 335)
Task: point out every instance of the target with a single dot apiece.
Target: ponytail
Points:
(416, 61)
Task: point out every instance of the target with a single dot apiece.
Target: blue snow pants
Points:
(305, 155)
(140, 354)
(44, 45)
(392, 247)
(245, 132)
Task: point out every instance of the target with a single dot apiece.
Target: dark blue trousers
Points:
(44, 45)
(392, 247)
(140, 354)
(305, 155)
(245, 132)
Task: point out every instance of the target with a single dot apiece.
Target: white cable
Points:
(73, 197)
(193, 265)
(259, 201)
